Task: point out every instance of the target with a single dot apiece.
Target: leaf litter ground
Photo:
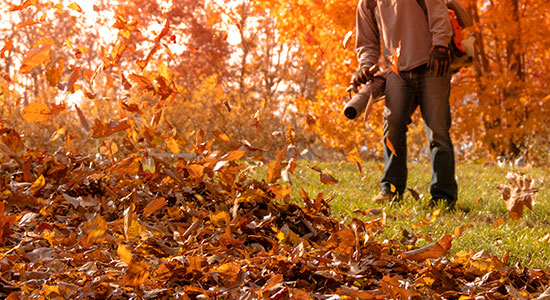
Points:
(202, 228)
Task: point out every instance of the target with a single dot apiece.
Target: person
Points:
(420, 31)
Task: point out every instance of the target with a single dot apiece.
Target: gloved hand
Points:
(362, 75)
(440, 60)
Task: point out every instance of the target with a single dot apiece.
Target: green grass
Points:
(479, 206)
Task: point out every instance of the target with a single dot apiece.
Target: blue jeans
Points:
(419, 87)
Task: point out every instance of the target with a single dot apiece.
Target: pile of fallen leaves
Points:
(199, 227)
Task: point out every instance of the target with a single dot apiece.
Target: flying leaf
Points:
(124, 254)
(354, 157)
(390, 146)
(37, 112)
(58, 133)
(414, 194)
(75, 7)
(136, 274)
(24, 5)
(95, 229)
(520, 192)
(394, 59)
(142, 81)
(83, 120)
(7, 47)
(347, 38)
(275, 167)
(108, 148)
(38, 55)
(233, 155)
(328, 179)
(38, 184)
(173, 145)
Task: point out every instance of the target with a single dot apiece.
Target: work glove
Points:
(362, 76)
(440, 60)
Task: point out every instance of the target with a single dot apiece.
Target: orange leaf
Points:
(5, 224)
(75, 6)
(136, 274)
(7, 47)
(24, 5)
(124, 254)
(234, 155)
(196, 171)
(39, 54)
(37, 112)
(153, 206)
(390, 146)
(173, 145)
(432, 251)
(142, 81)
(95, 229)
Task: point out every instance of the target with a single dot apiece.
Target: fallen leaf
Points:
(153, 206)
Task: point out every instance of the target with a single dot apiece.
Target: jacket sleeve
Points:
(439, 22)
(367, 43)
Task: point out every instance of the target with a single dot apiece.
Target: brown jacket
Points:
(401, 22)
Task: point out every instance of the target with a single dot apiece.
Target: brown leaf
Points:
(520, 192)
(354, 157)
(414, 194)
(83, 120)
(328, 179)
(38, 55)
(275, 168)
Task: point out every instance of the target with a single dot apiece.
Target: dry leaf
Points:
(520, 192)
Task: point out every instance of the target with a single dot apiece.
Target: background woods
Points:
(252, 70)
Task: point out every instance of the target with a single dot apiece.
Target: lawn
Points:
(480, 210)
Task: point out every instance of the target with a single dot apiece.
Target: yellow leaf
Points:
(37, 112)
(39, 54)
(75, 6)
(38, 184)
(124, 253)
(218, 218)
(58, 133)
